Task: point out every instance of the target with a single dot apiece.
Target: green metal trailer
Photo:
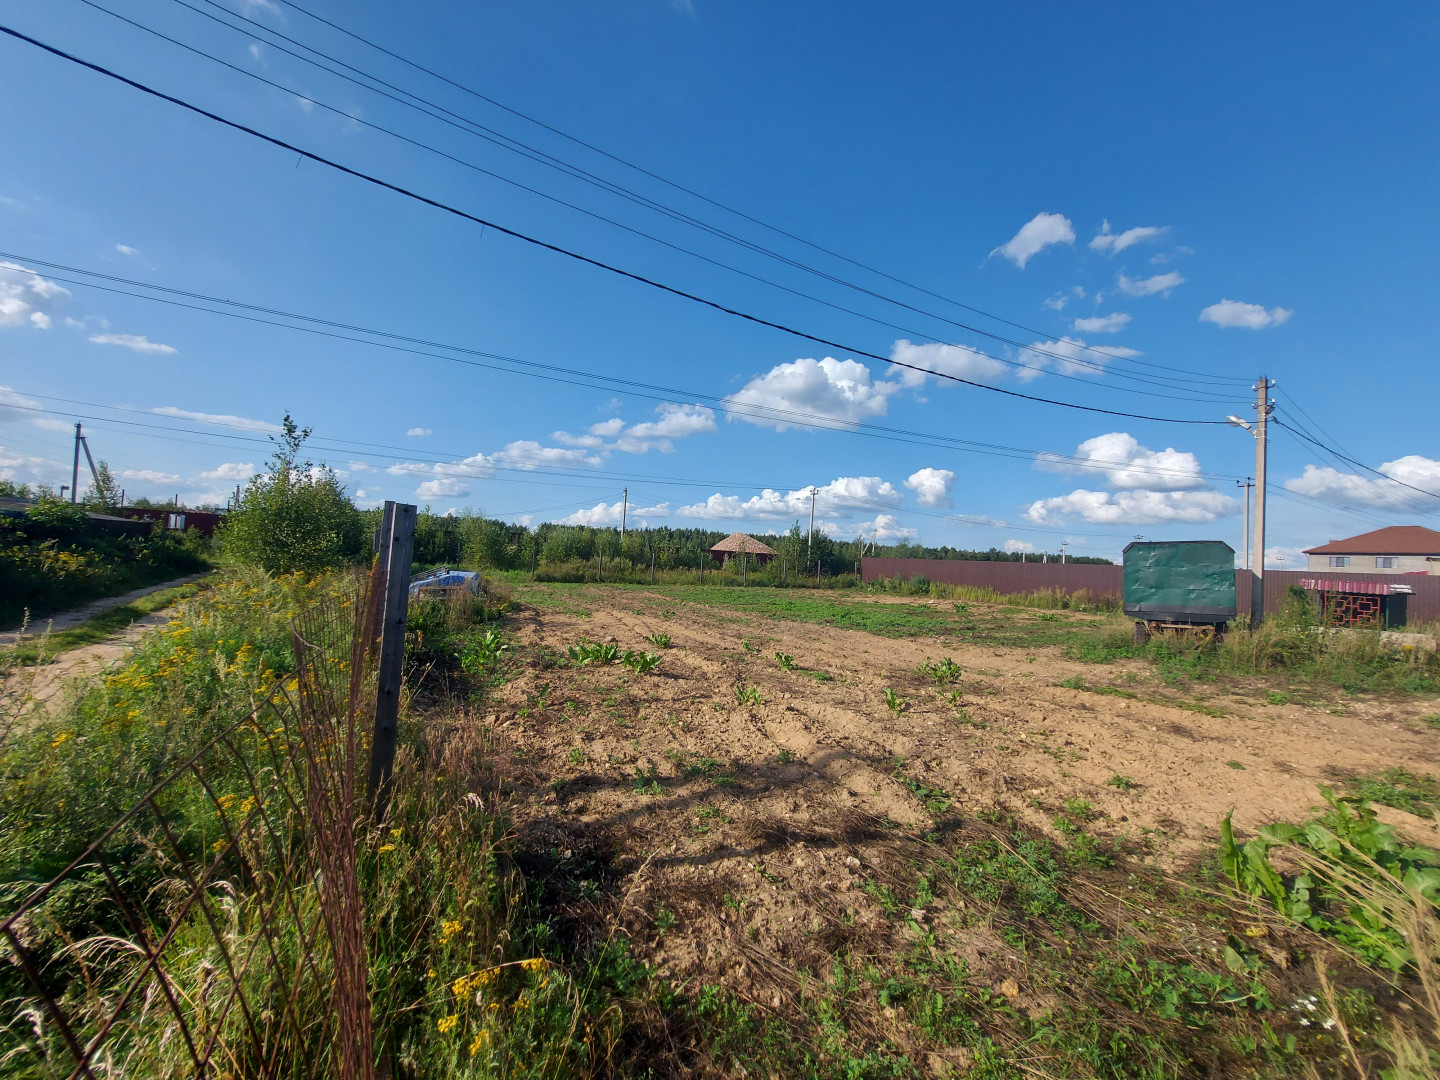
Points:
(1179, 585)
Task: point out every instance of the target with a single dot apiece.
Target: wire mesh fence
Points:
(217, 927)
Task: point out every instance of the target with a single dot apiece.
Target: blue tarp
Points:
(446, 579)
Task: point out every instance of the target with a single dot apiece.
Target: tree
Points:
(104, 493)
(294, 516)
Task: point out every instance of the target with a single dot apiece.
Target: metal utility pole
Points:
(1247, 484)
(75, 469)
(810, 537)
(624, 510)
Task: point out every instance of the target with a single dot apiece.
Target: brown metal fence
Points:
(1010, 577)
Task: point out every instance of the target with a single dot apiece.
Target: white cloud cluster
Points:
(960, 361)
(418, 433)
(1236, 314)
(1015, 547)
(134, 342)
(604, 515)
(1159, 283)
(840, 498)
(26, 298)
(1040, 232)
(884, 528)
(244, 423)
(932, 486)
(833, 392)
(1151, 487)
(1114, 243)
(1060, 299)
(452, 478)
(1069, 356)
(1327, 482)
(676, 422)
(27, 469)
(1133, 507)
(445, 487)
(1101, 324)
(231, 470)
(151, 476)
(1126, 464)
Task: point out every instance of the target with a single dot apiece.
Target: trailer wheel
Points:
(1142, 633)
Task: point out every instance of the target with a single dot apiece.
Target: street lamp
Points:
(1263, 407)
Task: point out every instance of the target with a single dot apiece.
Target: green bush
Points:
(295, 516)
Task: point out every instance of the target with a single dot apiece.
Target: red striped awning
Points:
(1325, 584)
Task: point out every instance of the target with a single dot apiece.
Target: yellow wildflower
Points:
(449, 928)
(430, 974)
(446, 1024)
(64, 737)
(535, 963)
(386, 847)
(395, 834)
(478, 1043)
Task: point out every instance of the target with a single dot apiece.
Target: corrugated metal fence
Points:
(1012, 577)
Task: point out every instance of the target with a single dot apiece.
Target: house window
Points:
(175, 521)
(1385, 562)
(1339, 560)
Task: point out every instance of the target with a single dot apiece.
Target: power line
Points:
(653, 175)
(588, 260)
(670, 394)
(1351, 461)
(1061, 358)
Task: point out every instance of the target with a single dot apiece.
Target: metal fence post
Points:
(397, 546)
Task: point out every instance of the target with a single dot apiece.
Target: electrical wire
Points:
(1352, 461)
(643, 171)
(534, 369)
(1061, 358)
(586, 259)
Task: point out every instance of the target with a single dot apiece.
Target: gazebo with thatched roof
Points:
(736, 543)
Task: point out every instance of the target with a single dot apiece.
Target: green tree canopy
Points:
(294, 516)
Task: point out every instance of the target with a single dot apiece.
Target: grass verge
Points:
(46, 646)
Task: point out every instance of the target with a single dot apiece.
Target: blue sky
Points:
(1201, 193)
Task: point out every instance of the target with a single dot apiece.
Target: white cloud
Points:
(150, 476)
(230, 470)
(50, 423)
(1281, 558)
(1101, 324)
(1353, 489)
(1115, 243)
(957, 360)
(304, 102)
(1060, 299)
(1229, 314)
(609, 514)
(219, 419)
(676, 422)
(839, 498)
(1017, 546)
(1133, 507)
(885, 527)
(1035, 235)
(528, 454)
(26, 298)
(27, 469)
(932, 486)
(126, 249)
(137, 342)
(839, 391)
(446, 487)
(1159, 283)
(257, 51)
(14, 406)
(419, 432)
(1127, 464)
(1069, 356)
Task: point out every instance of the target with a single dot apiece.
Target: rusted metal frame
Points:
(30, 902)
(51, 1005)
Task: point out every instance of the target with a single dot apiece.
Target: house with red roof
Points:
(1398, 549)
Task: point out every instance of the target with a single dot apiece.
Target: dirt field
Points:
(752, 823)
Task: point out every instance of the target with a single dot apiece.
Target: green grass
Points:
(1399, 788)
(102, 627)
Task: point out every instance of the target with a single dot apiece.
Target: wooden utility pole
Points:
(397, 546)
(624, 510)
(810, 537)
(75, 469)
(1262, 415)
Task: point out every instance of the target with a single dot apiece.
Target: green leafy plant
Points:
(1356, 877)
(941, 672)
(660, 641)
(748, 695)
(894, 702)
(576, 756)
(478, 654)
(590, 653)
(785, 660)
(647, 781)
(641, 663)
(1123, 782)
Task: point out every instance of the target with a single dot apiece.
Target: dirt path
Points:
(65, 620)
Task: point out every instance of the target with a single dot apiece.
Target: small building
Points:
(1398, 549)
(736, 543)
(205, 522)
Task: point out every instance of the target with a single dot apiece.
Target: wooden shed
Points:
(735, 543)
